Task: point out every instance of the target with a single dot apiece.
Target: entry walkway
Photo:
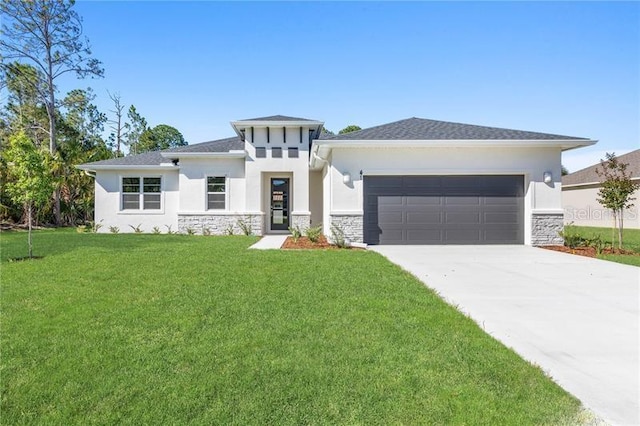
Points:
(575, 317)
(270, 242)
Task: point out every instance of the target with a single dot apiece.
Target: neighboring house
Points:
(580, 196)
(413, 181)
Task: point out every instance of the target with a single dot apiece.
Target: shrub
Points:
(337, 237)
(296, 233)
(596, 242)
(206, 230)
(572, 238)
(114, 229)
(136, 229)
(95, 227)
(169, 231)
(229, 230)
(155, 230)
(190, 231)
(245, 227)
(314, 233)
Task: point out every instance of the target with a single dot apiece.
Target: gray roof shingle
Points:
(277, 118)
(424, 129)
(589, 175)
(154, 158)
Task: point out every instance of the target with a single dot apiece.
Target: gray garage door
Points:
(444, 209)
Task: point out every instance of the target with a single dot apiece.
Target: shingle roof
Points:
(423, 129)
(589, 175)
(277, 118)
(155, 158)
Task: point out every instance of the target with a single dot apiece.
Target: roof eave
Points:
(96, 167)
(439, 143)
(243, 124)
(227, 154)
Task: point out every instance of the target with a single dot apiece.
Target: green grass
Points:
(170, 329)
(630, 239)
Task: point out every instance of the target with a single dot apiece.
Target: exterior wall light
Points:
(547, 176)
(346, 178)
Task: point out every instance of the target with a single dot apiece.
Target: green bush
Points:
(296, 233)
(571, 237)
(314, 233)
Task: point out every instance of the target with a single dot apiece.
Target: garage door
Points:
(444, 209)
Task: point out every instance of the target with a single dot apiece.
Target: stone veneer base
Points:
(219, 224)
(546, 228)
(351, 225)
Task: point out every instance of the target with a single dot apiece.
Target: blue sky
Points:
(569, 68)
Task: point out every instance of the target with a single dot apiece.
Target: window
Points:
(261, 152)
(141, 191)
(293, 152)
(276, 152)
(216, 192)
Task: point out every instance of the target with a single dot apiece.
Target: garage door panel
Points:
(462, 236)
(444, 209)
(502, 218)
(420, 200)
(462, 201)
(462, 218)
(424, 218)
(418, 236)
(391, 218)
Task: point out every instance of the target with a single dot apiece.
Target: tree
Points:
(564, 171)
(85, 118)
(48, 35)
(326, 131)
(160, 137)
(136, 126)
(116, 125)
(349, 129)
(616, 191)
(32, 182)
(24, 109)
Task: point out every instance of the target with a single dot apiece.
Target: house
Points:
(413, 181)
(580, 196)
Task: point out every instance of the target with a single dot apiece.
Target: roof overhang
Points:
(321, 148)
(245, 124)
(240, 153)
(96, 167)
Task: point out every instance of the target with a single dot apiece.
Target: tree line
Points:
(44, 134)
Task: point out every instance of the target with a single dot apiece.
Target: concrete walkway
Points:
(575, 317)
(270, 242)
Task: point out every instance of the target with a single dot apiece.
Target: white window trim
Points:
(226, 192)
(141, 210)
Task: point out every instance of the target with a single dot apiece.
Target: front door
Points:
(279, 204)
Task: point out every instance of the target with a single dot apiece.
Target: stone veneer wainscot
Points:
(351, 224)
(546, 228)
(219, 224)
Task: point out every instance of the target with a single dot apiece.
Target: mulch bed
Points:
(304, 243)
(589, 251)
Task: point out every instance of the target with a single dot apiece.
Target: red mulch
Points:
(589, 251)
(303, 243)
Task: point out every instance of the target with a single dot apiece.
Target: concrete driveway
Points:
(575, 317)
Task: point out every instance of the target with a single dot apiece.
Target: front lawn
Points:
(630, 240)
(172, 329)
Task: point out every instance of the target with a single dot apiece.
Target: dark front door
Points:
(444, 209)
(279, 204)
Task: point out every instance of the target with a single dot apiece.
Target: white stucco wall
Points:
(193, 183)
(581, 208)
(315, 197)
(530, 162)
(108, 202)
(258, 171)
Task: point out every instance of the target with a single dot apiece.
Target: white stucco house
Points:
(413, 181)
(580, 196)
